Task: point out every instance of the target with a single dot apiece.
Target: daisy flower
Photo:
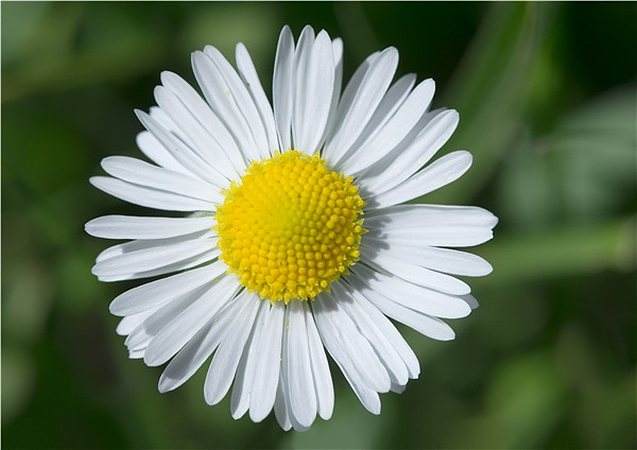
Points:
(292, 240)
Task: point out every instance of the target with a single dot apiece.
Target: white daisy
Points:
(298, 241)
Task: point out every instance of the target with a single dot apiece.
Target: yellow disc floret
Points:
(290, 227)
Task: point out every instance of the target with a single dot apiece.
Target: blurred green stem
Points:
(562, 252)
(492, 87)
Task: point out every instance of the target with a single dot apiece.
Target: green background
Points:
(547, 98)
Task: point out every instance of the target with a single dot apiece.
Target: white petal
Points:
(393, 131)
(164, 121)
(314, 89)
(375, 82)
(471, 301)
(132, 227)
(361, 353)
(156, 293)
(138, 340)
(410, 295)
(246, 372)
(178, 148)
(149, 197)
(402, 163)
(284, 387)
(136, 354)
(331, 338)
(283, 88)
(426, 225)
(415, 274)
(281, 409)
(188, 360)
(225, 361)
(154, 257)
(157, 153)
(300, 380)
(176, 334)
(385, 351)
(141, 173)
(267, 365)
(251, 79)
(203, 144)
(440, 259)
(143, 244)
(118, 250)
(421, 215)
(246, 106)
(320, 369)
(167, 123)
(439, 173)
(392, 100)
(422, 323)
(337, 53)
(188, 263)
(218, 94)
(345, 104)
(447, 236)
(390, 332)
(206, 117)
(129, 323)
(161, 317)
(302, 56)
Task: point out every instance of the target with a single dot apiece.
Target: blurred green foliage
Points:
(547, 96)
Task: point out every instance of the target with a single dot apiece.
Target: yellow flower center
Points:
(290, 227)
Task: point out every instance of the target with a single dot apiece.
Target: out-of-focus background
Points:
(547, 97)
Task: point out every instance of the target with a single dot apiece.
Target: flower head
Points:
(297, 239)
(285, 239)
